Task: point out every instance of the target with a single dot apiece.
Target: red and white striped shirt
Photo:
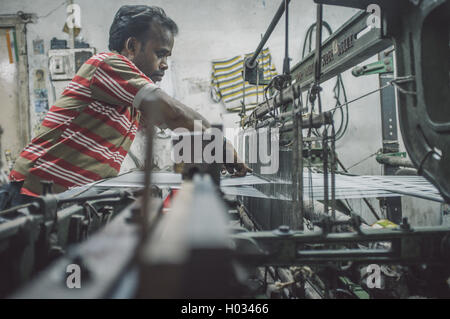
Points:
(87, 133)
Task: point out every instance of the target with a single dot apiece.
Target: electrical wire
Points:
(338, 87)
(361, 96)
(53, 10)
(364, 159)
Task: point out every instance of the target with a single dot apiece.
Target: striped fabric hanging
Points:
(228, 83)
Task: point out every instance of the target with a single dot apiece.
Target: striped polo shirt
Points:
(87, 133)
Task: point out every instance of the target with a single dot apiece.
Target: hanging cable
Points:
(53, 10)
(338, 87)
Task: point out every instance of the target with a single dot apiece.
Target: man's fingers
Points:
(240, 174)
(242, 170)
(230, 169)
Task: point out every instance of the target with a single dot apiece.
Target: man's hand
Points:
(162, 108)
(237, 167)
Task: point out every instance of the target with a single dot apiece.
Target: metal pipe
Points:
(333, 172)
(295, 168)
(297, 152)
(300, 165)
(406, 171)
(286, 66)
(394, 161)
(276, 18)
(318, 56)
(315, 90)
(119, 194)
(325, 169)
(146, 200)
(283, 97)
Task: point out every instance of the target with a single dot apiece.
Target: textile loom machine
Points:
(277, 233)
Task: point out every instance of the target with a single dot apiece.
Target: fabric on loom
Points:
(228, 83)
(350, 187)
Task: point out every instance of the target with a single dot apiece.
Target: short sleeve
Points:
(117, 81)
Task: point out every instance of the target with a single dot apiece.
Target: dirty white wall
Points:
(213, 29)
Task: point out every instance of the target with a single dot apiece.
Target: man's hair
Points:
(135, 21)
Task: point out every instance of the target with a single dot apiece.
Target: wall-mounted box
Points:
(64, 63)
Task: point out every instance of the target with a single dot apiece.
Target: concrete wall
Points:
(213, 29)
(9, 96)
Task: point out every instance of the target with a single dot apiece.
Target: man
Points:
(87, 133)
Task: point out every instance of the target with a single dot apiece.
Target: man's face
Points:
(151, 55)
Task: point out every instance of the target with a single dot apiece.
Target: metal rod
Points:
(394, 161)
(94, 197)
(315, 90)
(333, 172)
(297, 155)
(146, 200)
(325, 169)
(243, 110)
(16, 208)
(269, 31)
(286, 66)
(283, 97)
(295, 167)
(316, 121)
(318, 57)
(363, 236)
(299, 150)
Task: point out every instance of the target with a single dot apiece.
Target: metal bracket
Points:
(253, 74)
(379, 67)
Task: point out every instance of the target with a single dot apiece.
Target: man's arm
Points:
(175, 114)
(169, 111)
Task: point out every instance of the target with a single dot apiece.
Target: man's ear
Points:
(131, 46)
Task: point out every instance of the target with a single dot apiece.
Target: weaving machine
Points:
(282, 233)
